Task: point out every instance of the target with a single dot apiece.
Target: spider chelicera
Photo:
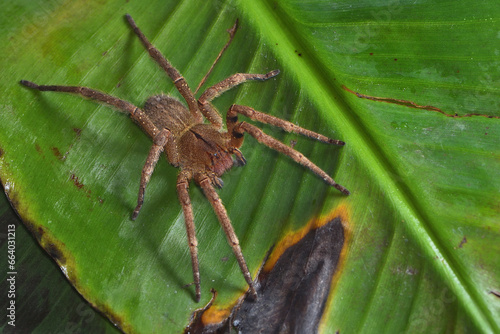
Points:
(202, 151)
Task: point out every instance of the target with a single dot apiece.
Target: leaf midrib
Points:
(320, 89)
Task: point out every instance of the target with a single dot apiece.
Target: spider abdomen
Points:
(167, 112)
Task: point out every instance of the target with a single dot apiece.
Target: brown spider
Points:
(202, 151)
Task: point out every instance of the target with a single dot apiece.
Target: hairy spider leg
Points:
(220, 211)
(212, 92)
(177, 78)
(159, 143)
(183, 193)
(237, 128)
(231, 32)
(160, 138)
(136, 113)
(280, 123)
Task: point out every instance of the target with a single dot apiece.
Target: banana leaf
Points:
(412, 88)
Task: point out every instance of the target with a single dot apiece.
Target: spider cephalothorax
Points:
(202, 151)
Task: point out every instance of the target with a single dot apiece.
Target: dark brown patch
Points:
(196, 323)
(77, 183)
(78, 131)
(57, 153)
(495, 293)
(293, 294)
(38, 149)
(55, 253)
(1, 152)
(412, 104)
(293, 283)
(38, 233)
(81, 186)
(464, 241)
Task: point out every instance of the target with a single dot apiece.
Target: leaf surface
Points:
(423, 214)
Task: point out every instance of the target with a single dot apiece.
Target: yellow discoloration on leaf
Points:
(292, 238)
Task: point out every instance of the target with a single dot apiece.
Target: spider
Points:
(202, 151)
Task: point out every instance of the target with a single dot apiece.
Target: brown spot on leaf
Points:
(1, 152)
(56, 253)
(53, 247)
(412, 104)
(294, 292)
(81, 186)
(78, 131)
(38, 233)
(196, 325)
(38, 149)
(57, 153)
(291, 239)
(293, 286)
(464, 241)
(77, 183)
(390, 100)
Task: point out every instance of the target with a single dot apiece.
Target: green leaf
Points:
(423, 214)
(44, 301)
